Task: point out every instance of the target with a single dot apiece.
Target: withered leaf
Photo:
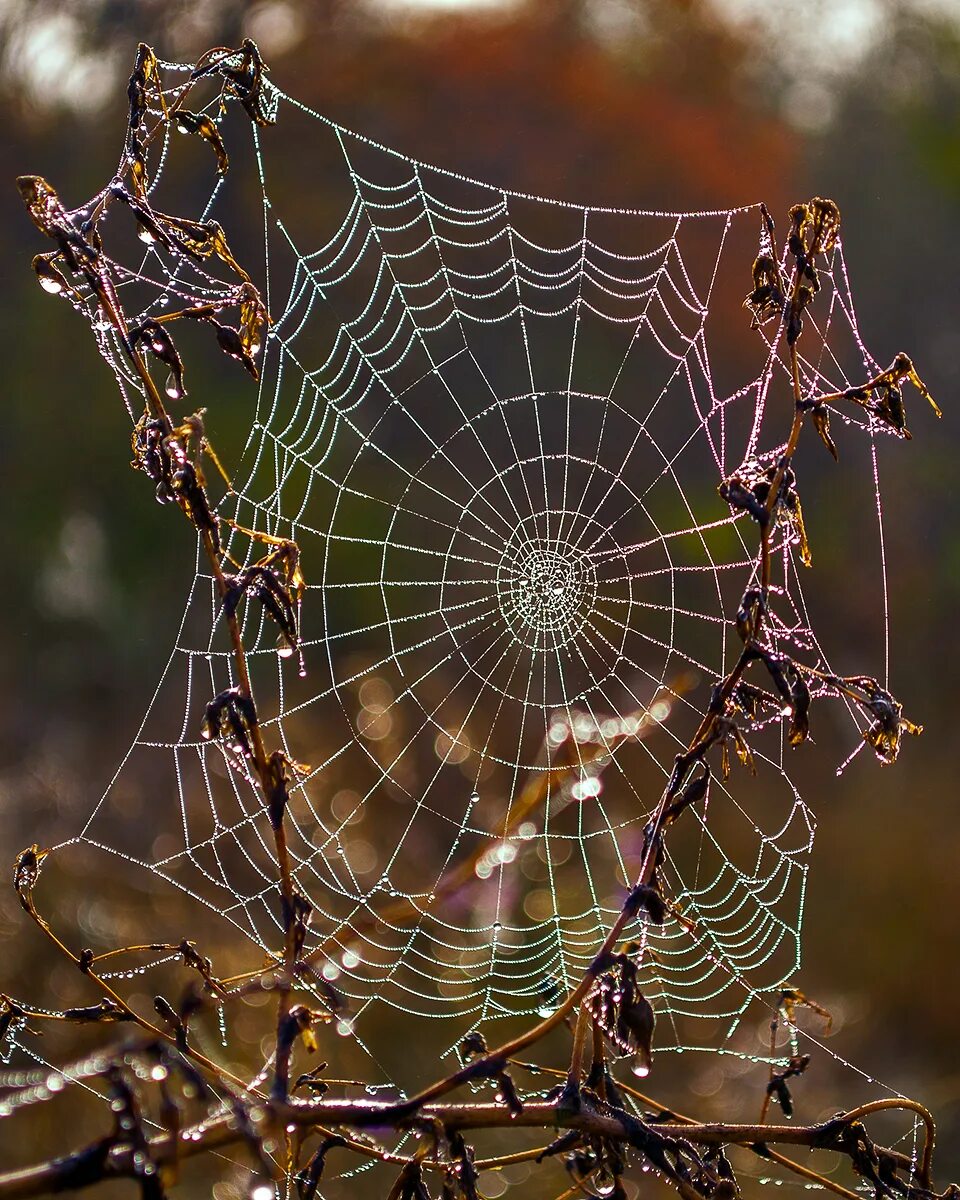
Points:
(232, 716)
(231, 343)
(26, 872)
(157, 339)
(106, 1010)
(191, 122)
(635, 1026)
(820, 416)
(695, 791)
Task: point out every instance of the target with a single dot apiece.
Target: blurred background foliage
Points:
(665, 103)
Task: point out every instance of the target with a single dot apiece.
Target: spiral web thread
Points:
(492, 425)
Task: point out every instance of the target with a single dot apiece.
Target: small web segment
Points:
(494, 427)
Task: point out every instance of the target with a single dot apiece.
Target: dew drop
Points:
(146, 235)
(173, 388)
(51, 285)
(474, 797)
(641, 1070)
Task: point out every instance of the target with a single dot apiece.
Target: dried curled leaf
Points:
(230, 342)
(647, 898)
(145, 72)
(300, 1022)
(244, 77)
(106, 1010)
(281, 771)
(301, 915)
(202, 126)
(26, 872)
(820, 416)
(778, 1082)
(472, 1046)
(308, 1179)
(624, 1013)
(52, 219)
(816, 226)
(767, 300)
(253, 316)
(696, 790)
(749, 490)
(232, 717)
(749, 614)
(144, 78)
(312, 1082)
(507, 1093)
(157, 339)
(791, 998)
(792, 690)
(882, 396)
(889, 724)
(727, 731)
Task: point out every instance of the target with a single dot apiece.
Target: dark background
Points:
(665, 104)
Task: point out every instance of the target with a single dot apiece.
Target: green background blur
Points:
(668, 104)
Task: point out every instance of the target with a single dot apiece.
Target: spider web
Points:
(494, 425)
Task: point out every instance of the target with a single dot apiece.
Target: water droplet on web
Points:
(641, 1070)
(51, 285)
(146, 235)
(173, 388)
(474, 797)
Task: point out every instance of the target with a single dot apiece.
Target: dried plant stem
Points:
(166, 1148)
(650, 1103)
(157, 410)
(216, 1072)
(907, 1105)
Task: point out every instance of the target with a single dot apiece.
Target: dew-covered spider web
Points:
(495, 426)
